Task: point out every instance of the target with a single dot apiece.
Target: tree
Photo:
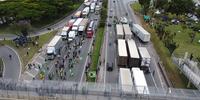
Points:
(145, 5)
(161, 4)
(170, 43)
(179, 7)
(192, 36)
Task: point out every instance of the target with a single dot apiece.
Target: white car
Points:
(123, 20)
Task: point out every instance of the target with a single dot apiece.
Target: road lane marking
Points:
(30, 74)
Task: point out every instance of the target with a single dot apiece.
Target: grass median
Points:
(32, 50)
(96, 51)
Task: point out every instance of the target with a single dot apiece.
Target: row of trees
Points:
(177, 7)
(34, 10)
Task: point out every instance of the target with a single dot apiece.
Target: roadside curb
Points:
(3, 68)
(20, 63)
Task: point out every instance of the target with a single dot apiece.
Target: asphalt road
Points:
(79, 65)
(119, 9)
(12, 68)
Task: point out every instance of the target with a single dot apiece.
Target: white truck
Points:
(139, 81)
(125, 80)
(83, 25)
(120, 32)
(71, 35)
(85, 11)
(97, 9)
(92, 7)
(87, 2)
(76, 24)
(122, 53)
(127, 31)
(141, 32)
(133, 55)
(145, 58)
(54, 47)
(64, 32)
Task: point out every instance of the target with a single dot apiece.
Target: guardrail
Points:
(74, 91)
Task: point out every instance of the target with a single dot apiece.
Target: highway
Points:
(119, 9)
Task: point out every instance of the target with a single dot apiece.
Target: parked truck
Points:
(86, 11)
(145, 59)
(119, 31)
(141, 33)
(90, 30)
(133, 55)
(54, 47)
(125, 80)
(76, 24)
(83, 25)
(71, 35)
(92, 7)
(64, 32)
(127, 31)
(77, 14)
(122, 53)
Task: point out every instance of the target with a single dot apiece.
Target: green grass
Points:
(1, 67)
(136, 7)
(96, 50)
(184, 41)
(30, 48)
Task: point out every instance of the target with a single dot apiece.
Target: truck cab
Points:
(51, 53)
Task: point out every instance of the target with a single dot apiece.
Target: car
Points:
(123, 20)
(111, 10)
(109, 67)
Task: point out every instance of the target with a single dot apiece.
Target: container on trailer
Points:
(125, 81)
(133, 55)
(90, 30)
(145, 59)
(76, 24)
(127, 31)
(86, 11)
(119, 31)
(54, 47)
(141, 33)
(122, 53)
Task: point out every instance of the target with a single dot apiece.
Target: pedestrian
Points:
(191, 56)
(27, 53)
(10, 56)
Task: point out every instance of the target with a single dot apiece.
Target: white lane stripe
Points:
(29, 74)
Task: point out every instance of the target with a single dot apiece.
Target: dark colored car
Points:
(109, 67)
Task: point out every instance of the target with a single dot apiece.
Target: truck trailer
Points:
(86, 11)
(92, 7)
(71, 35)
(64, 32)
(127, 31)
(119, 31)
(125, 80)
(122, 53)
(76, 24)
(139, 81)
(145, 59)
(83, 25)
(54, 47)
(141, 32)
(133, 55)
(90, 30)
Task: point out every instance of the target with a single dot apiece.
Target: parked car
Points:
(109, 67)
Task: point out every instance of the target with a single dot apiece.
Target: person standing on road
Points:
(10, 56)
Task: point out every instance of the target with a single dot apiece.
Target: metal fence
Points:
(62, 90)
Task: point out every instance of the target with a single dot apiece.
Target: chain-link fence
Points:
(62, 90)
